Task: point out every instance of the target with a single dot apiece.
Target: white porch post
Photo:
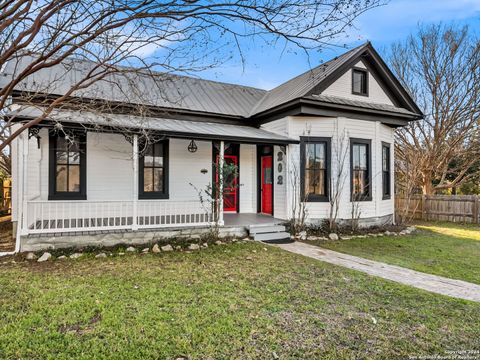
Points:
(135, 183)
(220, 180)
(21, 181)
(25, 184)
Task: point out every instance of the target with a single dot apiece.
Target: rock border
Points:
(155, 248)
(337, 237)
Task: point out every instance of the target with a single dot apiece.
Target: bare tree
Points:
(340, 155)
(118, 37)
(440, 65)
(299, 210)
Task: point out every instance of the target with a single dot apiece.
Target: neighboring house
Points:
(97, 179)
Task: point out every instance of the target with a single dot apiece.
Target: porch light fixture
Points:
(192, 147)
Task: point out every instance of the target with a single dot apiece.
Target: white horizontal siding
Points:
(109, 167)
(341, 130)
(280, 197)
(386, 207)
(248, 178)
(342, 87)
(110, 170)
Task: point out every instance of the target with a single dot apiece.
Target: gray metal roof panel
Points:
(122, 122)
(152, 89)
(358, 103)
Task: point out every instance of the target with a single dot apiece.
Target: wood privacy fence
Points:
(455, 208)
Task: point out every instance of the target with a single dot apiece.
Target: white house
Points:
(98, 177)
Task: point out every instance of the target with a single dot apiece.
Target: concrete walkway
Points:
(437, 284)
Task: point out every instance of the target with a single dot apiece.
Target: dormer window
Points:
(360, 82)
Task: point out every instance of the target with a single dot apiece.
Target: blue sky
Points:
(268, 67)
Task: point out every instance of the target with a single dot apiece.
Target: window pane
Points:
(310, 156)
(73, 146)
(148, 180)
(360, 182)
(158, 161)
(158, 180)
(311, 182)
(158, 152)
(360, 157)
(359, 82)
(320, 156)
(61, 157)
(61, 178)
(321, 182)
(385, 158)
(386, 183)
(74, 158)
(62, 144)
(74, 178)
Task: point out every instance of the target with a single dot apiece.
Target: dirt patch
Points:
(80, 329)
(7, 242)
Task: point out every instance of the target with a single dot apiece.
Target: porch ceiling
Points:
(171, 127)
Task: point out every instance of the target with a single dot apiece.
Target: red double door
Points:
(230, 190)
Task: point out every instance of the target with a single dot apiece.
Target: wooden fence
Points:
(455, 208)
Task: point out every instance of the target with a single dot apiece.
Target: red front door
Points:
(230, 196)
(267, 186)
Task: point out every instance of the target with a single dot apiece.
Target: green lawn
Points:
(234, 301)
(446, 249)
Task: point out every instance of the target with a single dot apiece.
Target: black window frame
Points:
(387, 174)
(365, 73)
(305, 140)
(53, 194)
(368, 142)
(151, 195)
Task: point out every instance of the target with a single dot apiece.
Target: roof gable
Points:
(319, 79)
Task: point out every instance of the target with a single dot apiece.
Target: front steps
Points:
(274, 234)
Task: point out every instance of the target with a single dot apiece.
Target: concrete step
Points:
(266, 229)
(272, 236)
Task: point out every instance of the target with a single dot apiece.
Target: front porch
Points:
(246, 220)
(119, 182)
(50, 217)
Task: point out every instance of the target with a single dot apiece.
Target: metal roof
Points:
(357, 103)
(147, 88)
(184, 93)
(171, 127)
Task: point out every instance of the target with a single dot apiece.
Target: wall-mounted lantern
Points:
(192, 147)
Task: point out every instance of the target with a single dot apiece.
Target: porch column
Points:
(24, 183)
(135, 183)
(220, 185)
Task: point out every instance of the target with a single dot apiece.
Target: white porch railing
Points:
(69, 216)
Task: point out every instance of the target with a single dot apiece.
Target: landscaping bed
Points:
(241, 300)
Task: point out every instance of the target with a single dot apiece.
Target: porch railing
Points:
(70, 216)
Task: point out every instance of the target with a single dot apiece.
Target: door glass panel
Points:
(267, 176)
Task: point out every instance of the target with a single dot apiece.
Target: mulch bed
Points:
(7, 242)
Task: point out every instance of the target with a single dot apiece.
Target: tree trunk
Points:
(427, 187)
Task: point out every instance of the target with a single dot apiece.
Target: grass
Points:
(235, 301)
(446, 249)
